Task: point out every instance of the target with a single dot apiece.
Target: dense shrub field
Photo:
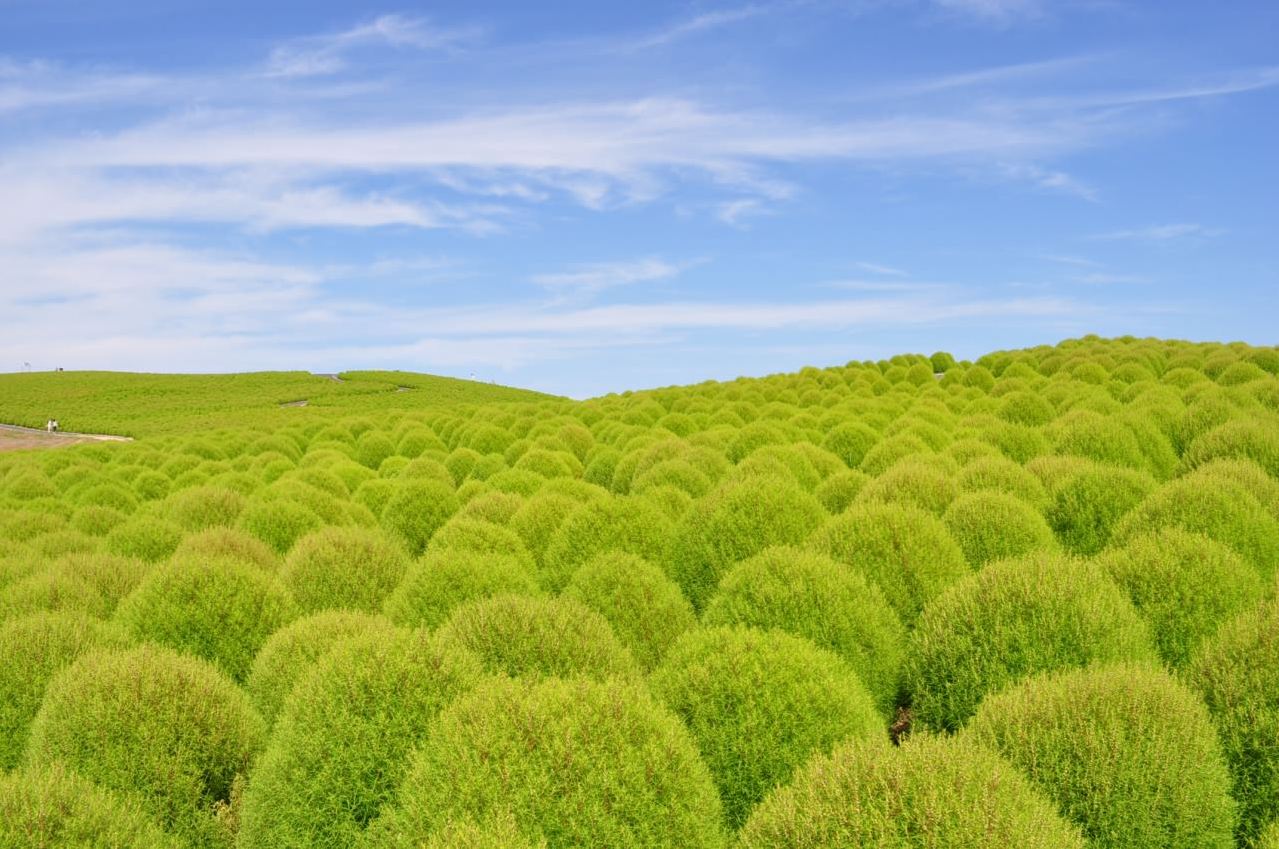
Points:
(1025, 601)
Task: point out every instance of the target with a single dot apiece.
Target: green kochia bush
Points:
(32, 650)
(1086, 506)
(810, 595)
(908, 553)
(759, 704)
(1269, 838)
(930, 793)
(350, 568)
(1237, 673)
(51, 808)
(439, 581)
(994, 526)
(632, 524)
(644, 607)
(1224, 511)
(573, 762)
(536, 637)
(417, 510)
(1184, 585)
(292, 651)
(169, 731)
(342, 742)
(146, 538)
(230, 543)
(1010, 620)
(278, 523)
(737, 521)
(1126, 752)
(216, 609)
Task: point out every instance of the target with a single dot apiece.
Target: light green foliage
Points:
(1269, 838)
(417, 510)
(220, 610)
(912, 482)
(203, 507)
(342, 742)
(53, 808)
(290, 652)
(1126, 752)
(166, 730)
(534, 637)
(278, 523)
(33, 649)
(461, 534)
(999, 474)
(146, 538)
(993, 526)
(1184, 585)
(229, 543)
(759, 704)
(930, 793)
(631, 524)
(1012, 619)
(1087, 505)
(841, 489)
(573, 762)
(645, 609)
(1224, 511)
(810, 595)
(348, 568)
(1236, 672)
(737, 521)
(439, 581)
(908, 553)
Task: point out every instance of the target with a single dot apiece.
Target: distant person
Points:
(52, 426)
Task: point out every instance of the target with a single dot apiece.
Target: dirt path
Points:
(17, 438)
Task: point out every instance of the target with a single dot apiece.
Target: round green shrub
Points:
(50, 590)
(538, 637)
(1236, 671)
(342, 742)
(572, 762)
(439, 581)
(203, 507)
(1125, 751)
(278, 523)
(97, 521)
(759, 704)
(1184, 585)
(229, 544)
(481, 537)
(1224, 511)
(417, 510)
(735, 522)
(810, 595)
(294, 649)
(914, 483)
(645, 609)
(1240, 439)
(53, 808)
(907, 552)
(350, 568)
(499, 831)
(841, 489)
(1086, 506)
(219, 610)
(167, 730)
(939, 792)
(850, 441)
(630, 524)
(33, 649)
(1084, 433)
(144, 537)
(1245, 473)
(999, 474)
(1026, 408)
(1012, 619)
(1269, 838)
(994, 526)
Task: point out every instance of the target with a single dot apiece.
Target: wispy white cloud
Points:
(876, 268)
(736, 212)
(994, 11)
(1050, 179)
(596, 277)
(701, 23)
(327, 54)
(1162, 233)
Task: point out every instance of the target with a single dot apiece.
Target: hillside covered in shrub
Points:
(1025, 601)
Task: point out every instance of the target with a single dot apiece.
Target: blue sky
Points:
(584, 197)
